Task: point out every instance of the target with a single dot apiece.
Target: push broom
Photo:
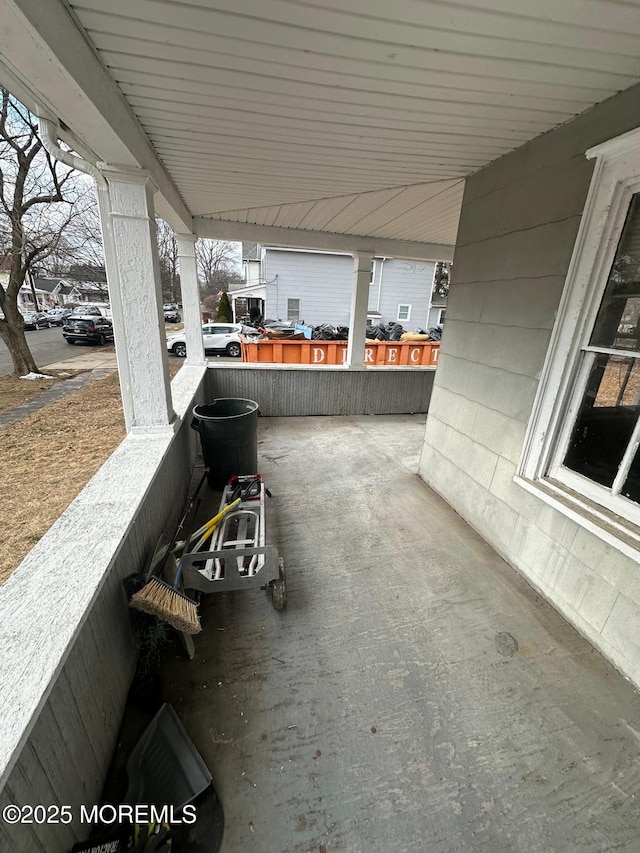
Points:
(163, 600)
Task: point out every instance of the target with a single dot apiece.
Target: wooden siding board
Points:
(29, 786)
(16, 838)
(79, 746)
(52, 774)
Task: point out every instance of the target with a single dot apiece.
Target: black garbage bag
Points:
(342, 333)
(324, 332)
(395, 330)
(435, 334)
(377, 332)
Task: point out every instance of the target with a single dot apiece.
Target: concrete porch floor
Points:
(416, 694)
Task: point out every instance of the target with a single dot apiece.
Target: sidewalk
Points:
(95, 360)
(96, 364)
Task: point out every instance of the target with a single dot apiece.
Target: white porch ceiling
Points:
(352, 117)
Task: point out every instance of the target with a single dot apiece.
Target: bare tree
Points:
(168, 258)
(42, 210)
(217, 264)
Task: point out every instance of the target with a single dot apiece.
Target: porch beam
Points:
(359, 304)
(137, 300)
(48, 62)
(190, 298)
(300, 238)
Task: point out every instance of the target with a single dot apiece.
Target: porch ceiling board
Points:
(399, 212)
(345, 117)
(342, 117)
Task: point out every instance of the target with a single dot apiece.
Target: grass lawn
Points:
(14, 391)
(50, 455)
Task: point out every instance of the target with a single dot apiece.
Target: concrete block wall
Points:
(519, 221)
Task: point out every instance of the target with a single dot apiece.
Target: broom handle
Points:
(174, 538)
(192, 522)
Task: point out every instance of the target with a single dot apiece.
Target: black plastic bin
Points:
(228, 430)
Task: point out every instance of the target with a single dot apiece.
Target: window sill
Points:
(613, 529)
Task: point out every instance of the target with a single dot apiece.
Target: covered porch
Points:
(415, 691)
(419, 692)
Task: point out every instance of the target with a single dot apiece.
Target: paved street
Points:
(47, 346)
(50, 350)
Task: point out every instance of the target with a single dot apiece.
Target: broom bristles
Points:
(158, 598)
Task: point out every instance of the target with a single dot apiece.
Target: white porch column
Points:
(190, 298)
(359, 306)
(131, 258)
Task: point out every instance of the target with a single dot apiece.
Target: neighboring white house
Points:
(315, 287)
(56, 292)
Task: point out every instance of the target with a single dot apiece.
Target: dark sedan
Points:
(36, 320)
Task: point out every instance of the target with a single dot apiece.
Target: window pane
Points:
(606, 419)
(618, 322)
(293, 309)
(631, 488)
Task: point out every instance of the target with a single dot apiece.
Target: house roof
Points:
(49, 284)
(288, 119)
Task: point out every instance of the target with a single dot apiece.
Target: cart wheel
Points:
(279, 588)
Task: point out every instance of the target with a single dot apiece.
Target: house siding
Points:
(323, 283)
(519, 221)
(408, 283)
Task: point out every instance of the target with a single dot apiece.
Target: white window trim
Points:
(440, 313)
(615, 179)
(408, 317)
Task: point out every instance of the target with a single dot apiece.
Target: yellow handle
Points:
(207, 529)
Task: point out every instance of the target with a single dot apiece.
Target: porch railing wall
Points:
(285, 391)
(63, 751)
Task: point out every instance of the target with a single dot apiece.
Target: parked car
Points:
(88, 327)
(57, 316)
(90, 310)
(36, 320)
(216, 337)
(171, 315)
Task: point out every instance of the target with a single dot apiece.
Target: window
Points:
(443, 311)
(293, 310)
(584, 434)
(404, 312)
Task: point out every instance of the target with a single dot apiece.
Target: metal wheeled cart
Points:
(239, 556)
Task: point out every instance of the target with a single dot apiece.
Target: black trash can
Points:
(228, 430)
